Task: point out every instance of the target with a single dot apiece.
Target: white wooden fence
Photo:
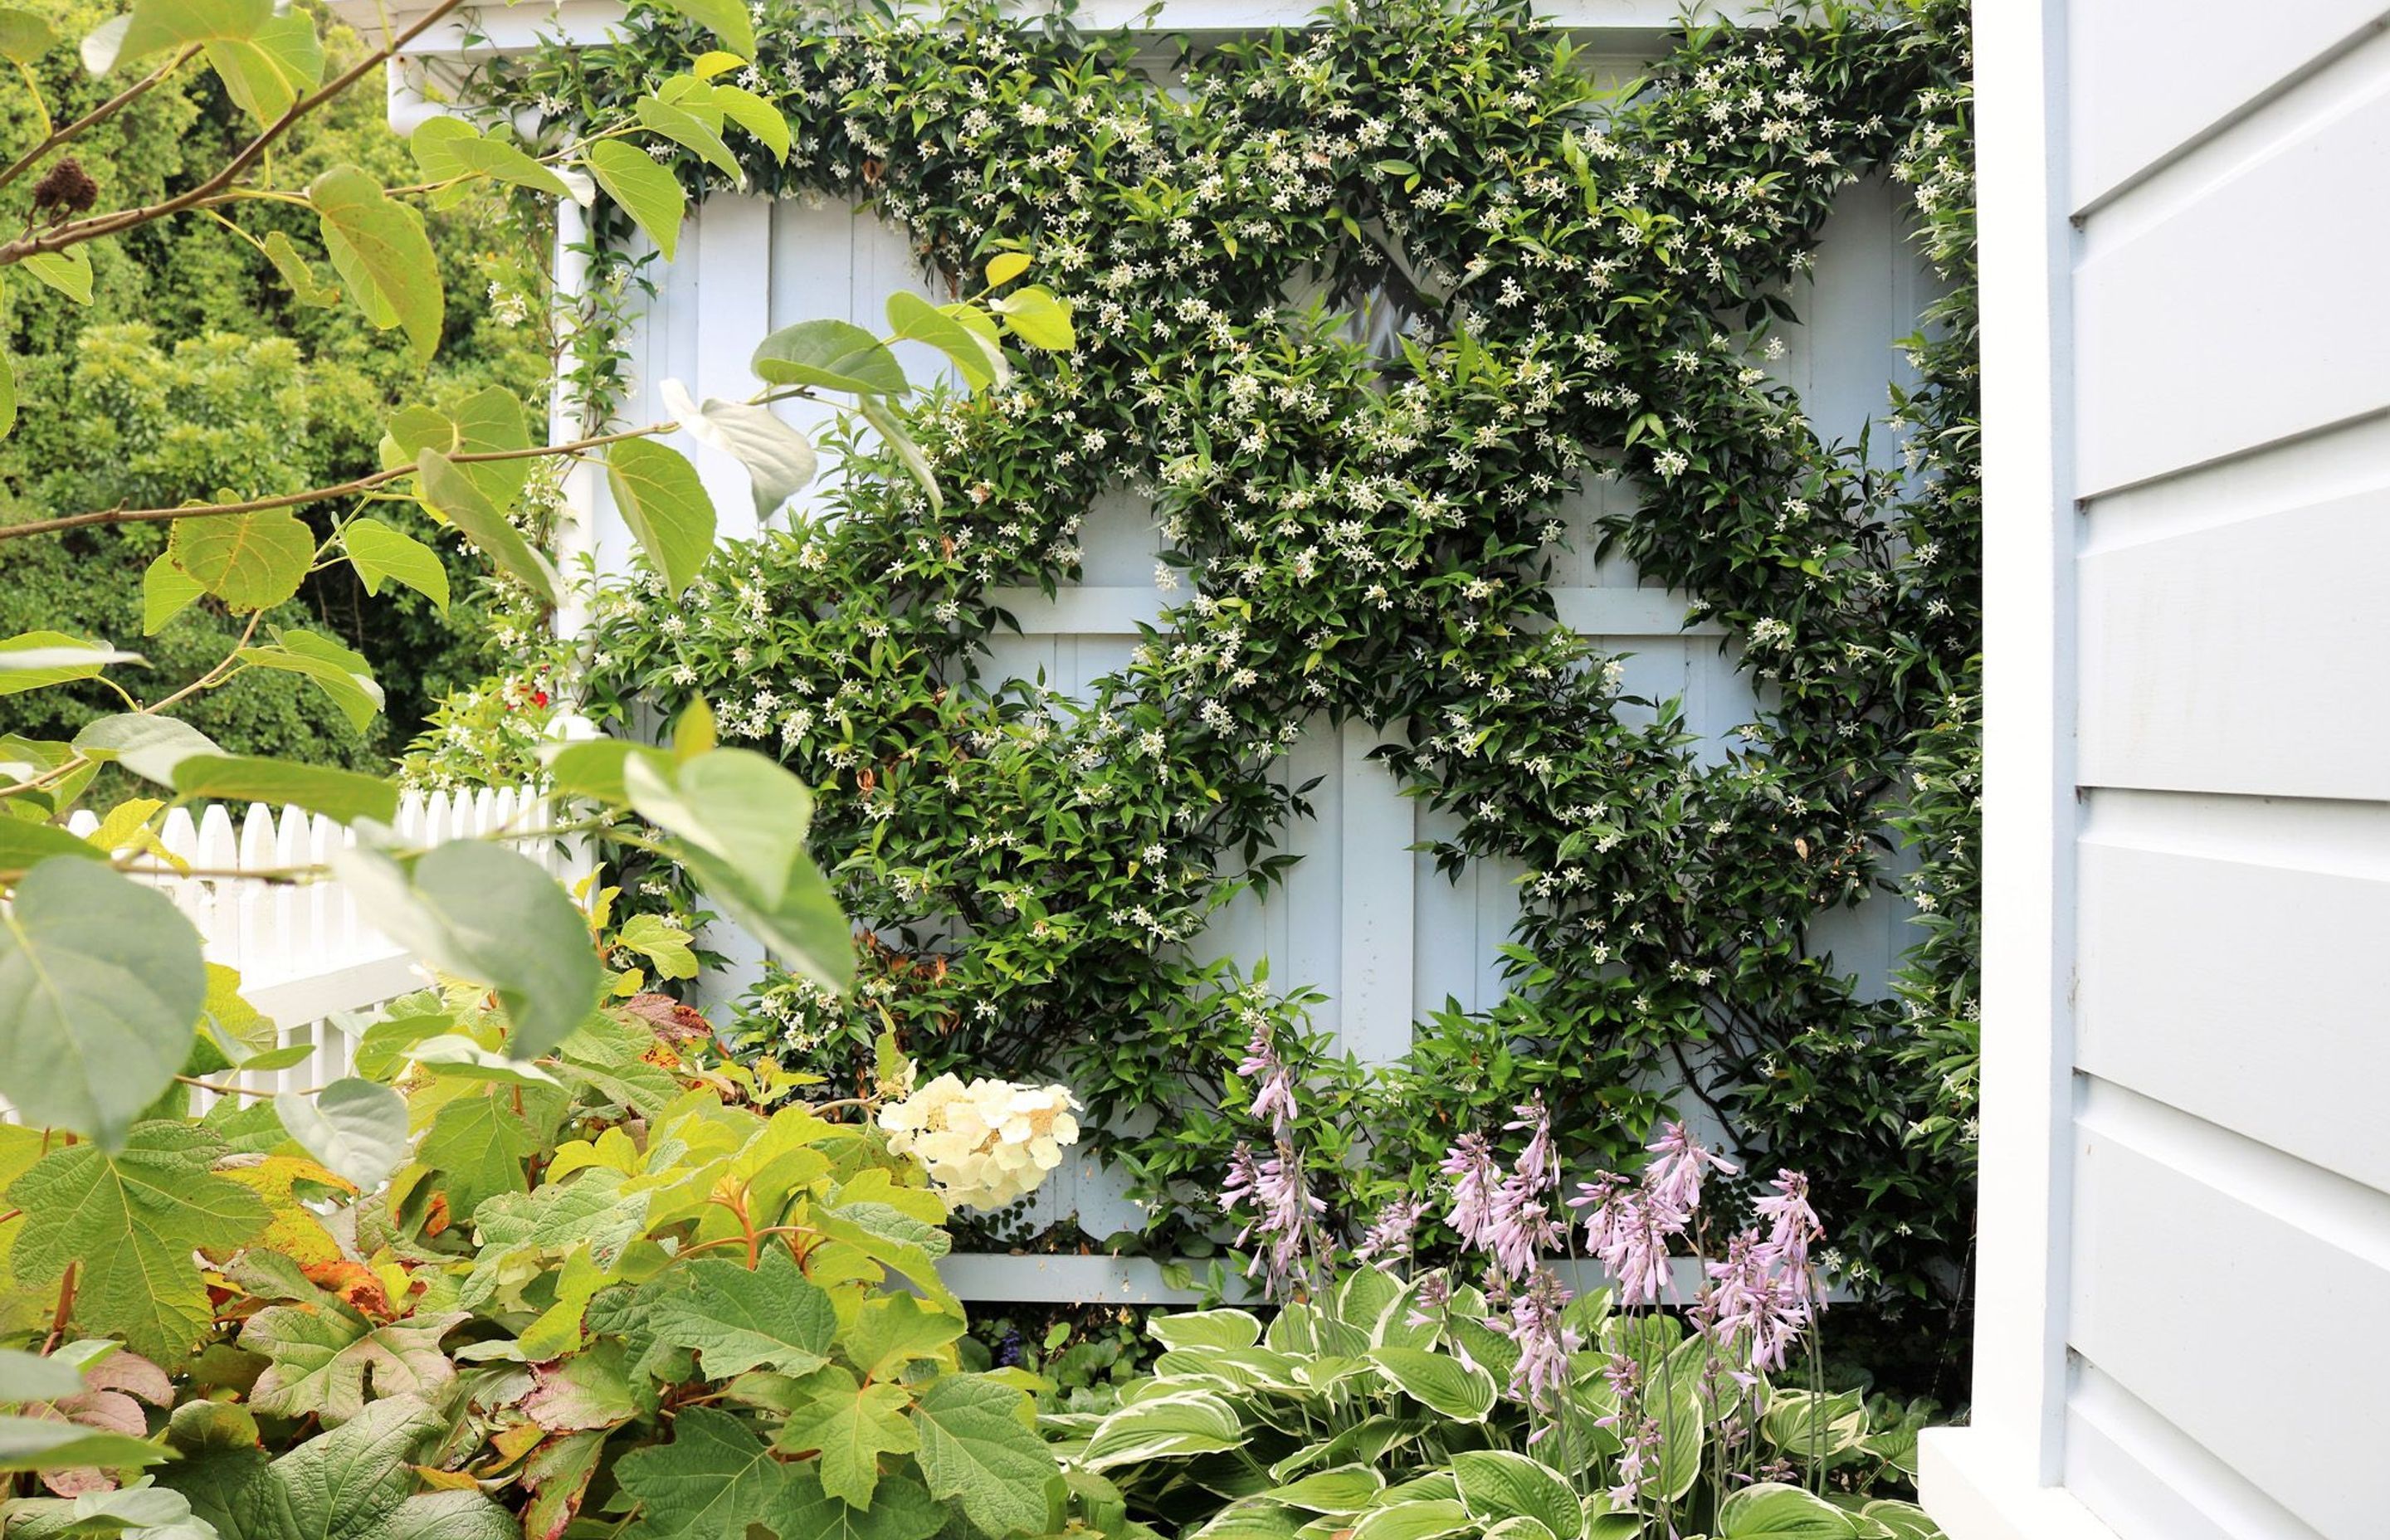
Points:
(307, 960)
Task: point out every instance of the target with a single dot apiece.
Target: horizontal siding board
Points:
(2141, 84)
(2211, 660)
(2132, 1467)
(2225, 325)
(2187, 1243)
(2241, 989)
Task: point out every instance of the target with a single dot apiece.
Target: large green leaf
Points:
(713, 1480)
(834, 355)
(1500, 1484)
(1164, 1427)
(911, 317)
(299, 274)
(889, 1332)
(125, 1513)
(249, 560)
(1437, 1380)
(265, 73)
(341, 674)
(780, 461)
(852, 1424)
(355, 1128)
(1772, 1510)
(738, 1320)
(485, 914)
(744, 820)
(1191, 1328)
(31, 1376)
(382, 254)
(478, 1145)
(147, 745)
(1422, 1518)
(101, 984)
(342, 795)
(380, 552)
(154, 25)
(447, 147)
(683, 127)
(978, 1448)
(659, 495)
(757, 115)
(355, 1483)
(37, 659)
(46, 1443)
(650, 195)
(25, 844)
(901, 1509)
(454, 494)
(324, 1362)
(128, 1222)
(726, 19)
(166, 592)
(1346, 1489)
(1036, 317)
(24, 35)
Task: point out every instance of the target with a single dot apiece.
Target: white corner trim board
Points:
(1973, 1487)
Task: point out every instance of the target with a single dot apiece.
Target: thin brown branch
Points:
(78, 231)
(97, 115)
(315, 494)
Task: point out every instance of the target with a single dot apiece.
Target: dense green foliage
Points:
(1584, 286)
(195, 368)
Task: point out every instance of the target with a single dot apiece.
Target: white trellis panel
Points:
(1362, 916)
(2187, 435)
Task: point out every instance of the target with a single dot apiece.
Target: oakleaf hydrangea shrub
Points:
(1358, 523)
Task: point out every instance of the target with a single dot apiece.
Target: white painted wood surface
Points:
(1362, 916)
(2188, 823)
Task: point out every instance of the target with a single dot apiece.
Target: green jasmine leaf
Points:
(251, 560)
(343, 796)
(650, 195)
(738, 1320)
(101, 984)
(380, 552)
(978, 1448)
(659, 495)
(129, 1222)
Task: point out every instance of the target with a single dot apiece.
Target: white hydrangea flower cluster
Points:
(987, 1143)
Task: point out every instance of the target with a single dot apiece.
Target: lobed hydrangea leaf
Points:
(978, 1448)
(850, 1425)
(736, 1319)
(327, 1363)
(128, 1222)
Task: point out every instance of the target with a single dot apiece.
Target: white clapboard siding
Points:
(1362, 916)
(307, 960)
(2187, 813)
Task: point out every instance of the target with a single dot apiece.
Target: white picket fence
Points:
(307, 960)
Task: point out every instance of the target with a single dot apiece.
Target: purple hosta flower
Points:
(1389, 1239)
(1638, 1435)
(1476, 1183)
(1630, 1237)
(1793, 1223)
(1522, 1227)
(1428, 1301)
(1754, 1304)
(1273, 1102)
(1674, 1179)
(1284, 1210)
(1540, 1162)
(1541, 1376)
